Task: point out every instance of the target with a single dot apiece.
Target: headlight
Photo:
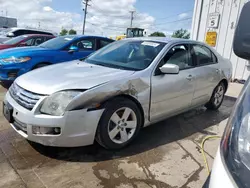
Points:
(57, 102)
(15, 59)
(235, 144)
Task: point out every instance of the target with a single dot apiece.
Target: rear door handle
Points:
(217, 70)
(190, 77)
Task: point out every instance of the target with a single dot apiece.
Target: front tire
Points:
(120, 124)
(217, 97)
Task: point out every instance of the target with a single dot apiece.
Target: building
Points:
(214, 22)
(6, 22)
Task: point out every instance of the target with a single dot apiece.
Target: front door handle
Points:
(190, 77)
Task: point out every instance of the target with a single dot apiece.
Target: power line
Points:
(173, 15)
(173, 21)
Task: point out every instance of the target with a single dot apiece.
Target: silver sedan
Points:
(112, 94)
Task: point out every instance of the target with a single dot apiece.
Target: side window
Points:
(203, 55)
(29, 42)
(30, 32)
(178, 55)
(103, 43)
(215, 60)
(38, 41)
(19, 32)
(47, 38)
(85, 44)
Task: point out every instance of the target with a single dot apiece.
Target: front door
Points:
(86, 46)
(173, 93)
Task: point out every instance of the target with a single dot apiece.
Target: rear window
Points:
(15, 40)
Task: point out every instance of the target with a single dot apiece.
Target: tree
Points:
(157, 34)
(63, 32)
(72, 32)
(181, 33)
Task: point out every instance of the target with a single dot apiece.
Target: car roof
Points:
(164, 39)
(38, 35)
(75, 37)
(31, 29)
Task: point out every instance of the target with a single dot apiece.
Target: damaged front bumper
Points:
(74, 128)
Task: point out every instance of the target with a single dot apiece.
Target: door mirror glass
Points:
(169, 69)
(10, 34)
(241, 44)
(73, 49)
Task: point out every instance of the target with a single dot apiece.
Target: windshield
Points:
(127, 54)
(15, 40)
(58, 42)
(5, 31)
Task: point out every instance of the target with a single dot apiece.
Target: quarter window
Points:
(203, 55)
(178, 55)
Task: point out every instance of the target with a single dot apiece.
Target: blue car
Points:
(17, 61)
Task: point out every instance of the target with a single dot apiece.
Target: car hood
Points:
(5, 46)
(20, 51)
(69, 75)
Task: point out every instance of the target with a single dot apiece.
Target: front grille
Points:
(23, 97)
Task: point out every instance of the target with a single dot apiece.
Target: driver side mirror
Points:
(10, 34)
(241, 44)
(73, 49)
(170, 69)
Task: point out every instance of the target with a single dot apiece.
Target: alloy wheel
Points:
(122, 125)
(218, 95)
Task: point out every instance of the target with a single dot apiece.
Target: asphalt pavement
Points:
(166, 154)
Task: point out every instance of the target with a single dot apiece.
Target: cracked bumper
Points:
(78, 127)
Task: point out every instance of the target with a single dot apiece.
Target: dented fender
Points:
(136, 87)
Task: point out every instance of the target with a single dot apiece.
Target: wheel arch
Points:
(131, 98)
(225, 82)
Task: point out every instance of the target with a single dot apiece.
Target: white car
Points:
(116, 91)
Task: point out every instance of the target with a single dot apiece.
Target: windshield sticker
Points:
(68, 39)
(153, 44)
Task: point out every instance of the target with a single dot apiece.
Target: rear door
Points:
(173, 93)
(207, 73)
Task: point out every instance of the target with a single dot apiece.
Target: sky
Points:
(105, 17)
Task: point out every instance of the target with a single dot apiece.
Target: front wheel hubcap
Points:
(122, 125)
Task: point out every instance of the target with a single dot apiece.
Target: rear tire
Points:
(217, 97)
(119, 125)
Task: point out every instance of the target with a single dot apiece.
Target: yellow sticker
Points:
(211, 38)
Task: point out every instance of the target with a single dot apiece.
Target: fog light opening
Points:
(46, 130)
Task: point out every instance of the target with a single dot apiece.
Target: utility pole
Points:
(39, 24)
(85, 14)
(132, 18)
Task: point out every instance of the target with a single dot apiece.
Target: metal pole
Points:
(132, 18)
(85, 14)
